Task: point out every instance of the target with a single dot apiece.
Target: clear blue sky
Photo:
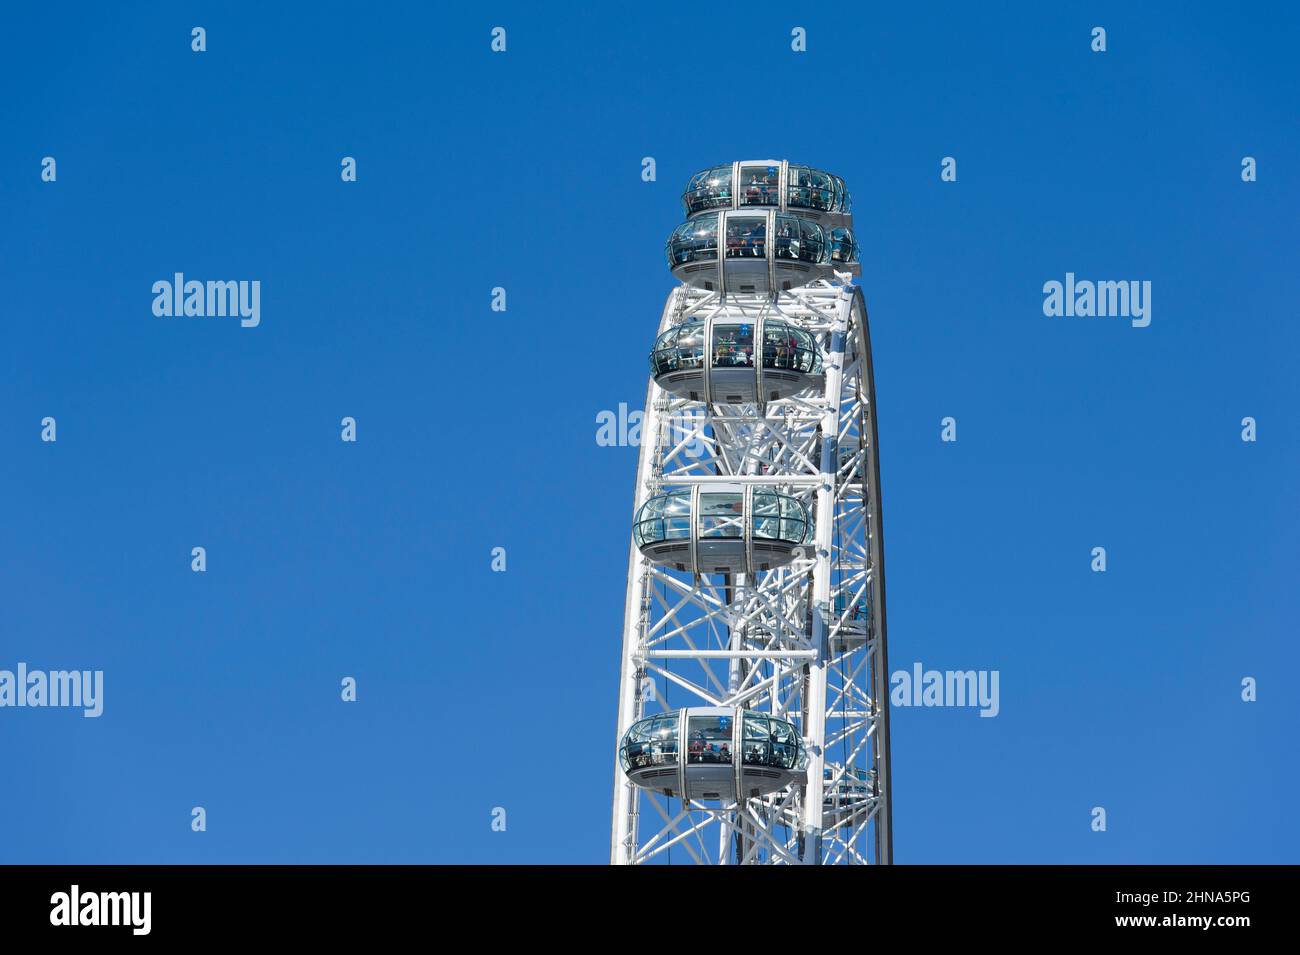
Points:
(477, 429)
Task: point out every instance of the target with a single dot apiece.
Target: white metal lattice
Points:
(804, 641)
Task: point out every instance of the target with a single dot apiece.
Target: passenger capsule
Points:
(692, 753)
(770, 184)
(853, 618)
(740, 362)
(744, 251)
(722, 528)
(845, 794)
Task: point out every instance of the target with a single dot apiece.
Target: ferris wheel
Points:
(753, 719)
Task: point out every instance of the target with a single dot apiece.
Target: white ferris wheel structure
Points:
(753, 716)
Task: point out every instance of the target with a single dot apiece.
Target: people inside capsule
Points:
(746, 238)
(710, 189)
(710, 741)
(678, 359)
(844, 247)
(650, 742)
(733, 346)
(799, 239)
(759, 184)
(694, 240)
(813, 189)
(857, 611)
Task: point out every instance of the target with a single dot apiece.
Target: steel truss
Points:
(806, 641)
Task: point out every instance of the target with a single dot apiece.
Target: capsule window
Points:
(844, 248)
(759, 185)
(650, 742)
(664, 517)
(733, 346)
(708, 739)
(775, 517)
(811, 189)
(767, 515)
(794, 523)
(785, 744)
(710, 189)
(787, 242)
(694, 240)
(722, 515)
(746, 237)
(681, 348)
(813, 247)
(788, 348)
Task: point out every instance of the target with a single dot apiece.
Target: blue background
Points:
(477, 429)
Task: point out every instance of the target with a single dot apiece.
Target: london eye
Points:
(753, 721)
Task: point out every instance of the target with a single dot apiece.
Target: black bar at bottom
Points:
(338, 903)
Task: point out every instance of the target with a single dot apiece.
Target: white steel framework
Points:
(806, 641)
